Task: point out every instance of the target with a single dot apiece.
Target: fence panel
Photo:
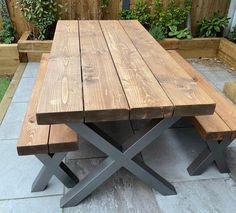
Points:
(90, 9)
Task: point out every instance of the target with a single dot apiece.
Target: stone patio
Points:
(169, 156)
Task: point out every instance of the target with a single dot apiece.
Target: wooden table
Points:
(109, 71)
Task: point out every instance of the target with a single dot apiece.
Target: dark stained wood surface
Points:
(43, 139)
(188, 98)
(222, 123)
(112, 70)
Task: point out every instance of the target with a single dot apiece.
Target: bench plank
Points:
(104, 98)
(145, 96)
(34, 138)
(223, 123)
(188, 98)
(61, 95)
(62, 139)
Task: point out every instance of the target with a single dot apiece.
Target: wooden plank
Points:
(188, 98)
(66, 40)
(224, 108)
(62, 139)
(145, 96)
(227, 52)
(198, 53)
(34, 57)
(9, 51)
(227, 59)
(61, 97)
(104, 98)
(34, 138)
(4, 104)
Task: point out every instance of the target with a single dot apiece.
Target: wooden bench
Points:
(218, 130)
(49, 143)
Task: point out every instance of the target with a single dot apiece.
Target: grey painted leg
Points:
(214, 152)
(53, 165)
(117, 159)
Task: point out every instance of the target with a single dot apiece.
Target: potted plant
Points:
(41, 17)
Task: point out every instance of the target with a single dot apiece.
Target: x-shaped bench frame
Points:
(214, 152)
(118, 157)
(53, 165)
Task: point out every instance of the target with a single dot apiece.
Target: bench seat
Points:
(220, 125)
(217, 130)
(43, 139)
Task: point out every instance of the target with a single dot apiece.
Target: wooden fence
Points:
(90, 9)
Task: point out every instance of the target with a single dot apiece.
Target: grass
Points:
(4, 83)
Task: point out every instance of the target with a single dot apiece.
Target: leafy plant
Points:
(41, 14)
(158, 19)
(140, 12)
(7, 34)
(156, 32)
(180, 34)
(103, 6)
(232, 35)
(170, 16)
(212, 26)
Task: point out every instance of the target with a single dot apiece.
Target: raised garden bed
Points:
(9, 59)
(189, 48)
(220, 48)
(33, 49)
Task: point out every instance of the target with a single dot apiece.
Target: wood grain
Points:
(62, 139)
(61, 99)
(104, 98)
(34, 138)
(188, 98)
(145, 96)
(212, 126)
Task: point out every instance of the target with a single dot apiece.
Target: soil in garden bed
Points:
(4, 83)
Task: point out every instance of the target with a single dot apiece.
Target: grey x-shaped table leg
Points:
(117, 158)
(53, 165)
(214, 152)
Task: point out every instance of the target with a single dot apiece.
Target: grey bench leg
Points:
(119, 158)
(53, 165)
(214, 152)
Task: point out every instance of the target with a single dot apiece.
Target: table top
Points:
(114, 70)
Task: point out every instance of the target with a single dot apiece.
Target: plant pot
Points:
(9, 59)
(32, 50)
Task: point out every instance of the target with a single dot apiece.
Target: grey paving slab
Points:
(35, 205)
(11, 125)
(207, 196)
(231, 160)
(18, 173)
(173, 152)
(121, 193)
(24, 90)
(214, 71)
(31, 70)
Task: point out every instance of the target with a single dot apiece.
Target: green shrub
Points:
(140, 12)
(232, 35)
(170, 16)
(156, 32)
(212, 26)
(7, 34)
(180, 34)
(41, 14)
(159, 19)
